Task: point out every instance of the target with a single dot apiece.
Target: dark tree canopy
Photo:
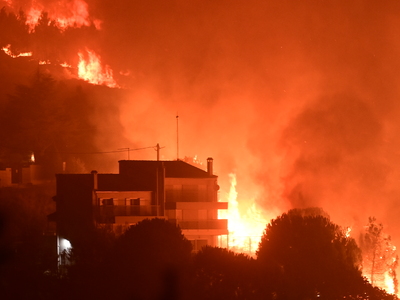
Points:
(312, 256)
(156, 240)
(148, 261)
(223, 274)
(49, 118)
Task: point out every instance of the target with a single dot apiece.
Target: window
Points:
(135, 201)
(109, 201)
(173, 193)
(190, 193)
(202, 193)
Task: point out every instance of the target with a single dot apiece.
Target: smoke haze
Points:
(299, 99)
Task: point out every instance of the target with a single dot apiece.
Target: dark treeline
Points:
(59, 121)
(302, 255)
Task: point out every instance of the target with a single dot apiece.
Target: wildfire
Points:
(91, 70)
(65, 65)
(47, 62)
(64, 14)
(67, 13)
(347, 231)
(7, 50)
(245, 228)
(388, 283)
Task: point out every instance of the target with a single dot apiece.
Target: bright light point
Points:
(65, 244)
(348, 231)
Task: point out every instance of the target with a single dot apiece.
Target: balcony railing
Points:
(201, 224)
(129, 210)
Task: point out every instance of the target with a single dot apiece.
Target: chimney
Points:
(95, 182)
(210, 166)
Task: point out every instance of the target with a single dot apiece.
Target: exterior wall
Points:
(74, 205)
(5, 177)
(26, 175)
(191, 190)
(36, 174)
(192, 204)
(21, 176)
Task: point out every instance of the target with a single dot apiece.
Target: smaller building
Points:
(20, 175)
(174, 190)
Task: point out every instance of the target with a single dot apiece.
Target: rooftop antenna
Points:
(177, 136)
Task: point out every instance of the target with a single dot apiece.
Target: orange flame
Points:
(9, 52)
(245, 227)
(67, 13)
(388, 283)
(90, 70)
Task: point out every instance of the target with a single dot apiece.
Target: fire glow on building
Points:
(304, 107)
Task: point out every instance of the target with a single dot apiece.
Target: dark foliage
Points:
(302, 255)
(311, 257)
(48, 118)
(26, 254)
(149, 261)
(223, 274)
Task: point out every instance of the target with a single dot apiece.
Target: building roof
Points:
(134, 175)
(173, 169)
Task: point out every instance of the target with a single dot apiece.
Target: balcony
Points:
(201, 224)
(196, 205)
(128, 210)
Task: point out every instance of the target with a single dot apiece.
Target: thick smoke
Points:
(299, 99)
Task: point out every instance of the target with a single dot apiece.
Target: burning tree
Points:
(380, 259)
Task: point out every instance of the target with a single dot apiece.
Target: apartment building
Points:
(175, 190)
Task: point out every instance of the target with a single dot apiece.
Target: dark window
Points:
(135, 201)
(190, 193)
(109, 201)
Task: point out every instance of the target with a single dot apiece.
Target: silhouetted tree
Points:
(223, 274)
(47, 117)
(311, 256)
(149, 261)
(26, 255)
(13, 30)
(46, 39)
(379, 254)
